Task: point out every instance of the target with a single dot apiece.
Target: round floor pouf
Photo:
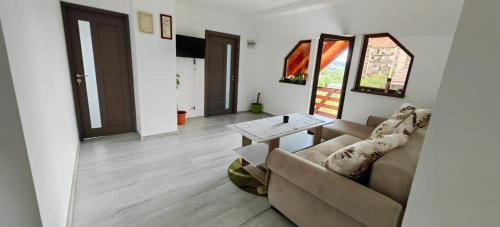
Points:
(242, 179)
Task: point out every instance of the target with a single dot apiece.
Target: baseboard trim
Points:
(69, 217)
(158, 135)
(250, 111)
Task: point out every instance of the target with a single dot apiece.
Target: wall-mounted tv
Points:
(190, 47)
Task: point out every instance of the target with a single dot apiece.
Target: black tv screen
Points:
(190, 47)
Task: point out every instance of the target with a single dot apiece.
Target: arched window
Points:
(384, 67)
(297, 63)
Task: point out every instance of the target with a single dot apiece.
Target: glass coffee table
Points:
(260, 137)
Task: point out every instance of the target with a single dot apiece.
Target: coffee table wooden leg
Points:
(245, 142)
(317, 135)
(244, 162)
(275, 143)
(272, 144)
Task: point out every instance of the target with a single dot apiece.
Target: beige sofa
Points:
(311, 195)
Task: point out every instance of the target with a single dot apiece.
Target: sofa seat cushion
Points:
(342, 127)
(318, 153)
(392, 174)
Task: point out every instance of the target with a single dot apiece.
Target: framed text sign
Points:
(166, 26)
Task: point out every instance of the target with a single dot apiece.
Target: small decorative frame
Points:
(166, 26)
(145, 22)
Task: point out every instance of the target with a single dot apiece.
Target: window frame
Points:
(317, 70)
(283, 76)
(378, 91)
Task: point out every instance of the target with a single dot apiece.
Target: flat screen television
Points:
(190, 47)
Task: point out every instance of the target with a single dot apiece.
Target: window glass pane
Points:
(333, 63)
(386, 65)
(401, 67)
(334, 56)
(228, 76)
(89, 71)
(297, 62)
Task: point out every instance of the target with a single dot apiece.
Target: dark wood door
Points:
(99, 53)
(221, 73)
(333, 61)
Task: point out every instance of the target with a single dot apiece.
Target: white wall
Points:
(18, 206)
(153, 63)
(193, 21)
(428, 37)
(456, 183)
(154, 70)
(37, 53)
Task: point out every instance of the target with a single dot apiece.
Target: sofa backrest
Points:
(392, 175)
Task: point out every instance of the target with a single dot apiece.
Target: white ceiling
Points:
(243, 7)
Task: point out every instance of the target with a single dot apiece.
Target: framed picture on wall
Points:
(145, 22)
(166, 26)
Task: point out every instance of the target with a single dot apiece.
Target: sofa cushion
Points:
(374, 121)
(387, 127)
(392, 174)
(342, 127)
(355, 160)
(418, 119)
(319, 152)
(406, 120)
(305, 209)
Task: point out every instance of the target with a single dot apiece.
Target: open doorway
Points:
(330, 75)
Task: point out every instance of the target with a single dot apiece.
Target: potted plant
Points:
(181, 114)
(256, 106)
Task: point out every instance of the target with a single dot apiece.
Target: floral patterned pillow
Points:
(418, 119)
(401, 120)
(353, 161)
(387, 127)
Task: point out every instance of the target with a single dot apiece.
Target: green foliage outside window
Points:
(374, 81)
(328, 76)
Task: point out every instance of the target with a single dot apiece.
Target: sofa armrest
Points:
(359, 202)
(374, 121)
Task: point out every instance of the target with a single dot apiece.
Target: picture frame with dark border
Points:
(377, 91)
(166, 26)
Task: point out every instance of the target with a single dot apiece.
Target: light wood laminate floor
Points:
(172, 180)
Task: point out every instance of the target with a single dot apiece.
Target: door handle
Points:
(78, 78)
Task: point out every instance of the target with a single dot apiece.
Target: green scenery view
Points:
(330, 84)
(375, 81)
(333, 75)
